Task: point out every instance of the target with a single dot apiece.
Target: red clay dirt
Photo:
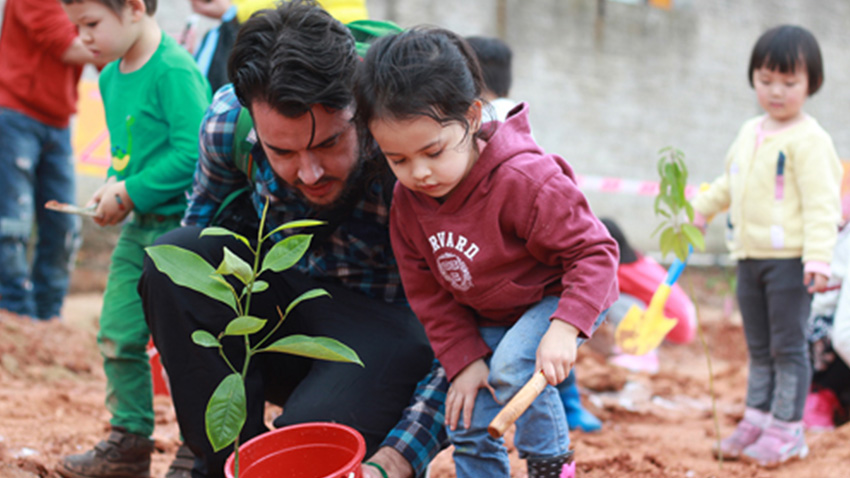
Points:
(661, 426)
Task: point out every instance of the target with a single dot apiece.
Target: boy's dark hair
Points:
(495, 57)
(293, 57)
(783, 48)
(420, 72)
(118, 5)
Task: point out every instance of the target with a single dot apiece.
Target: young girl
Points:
(500, 255)
(781, 185)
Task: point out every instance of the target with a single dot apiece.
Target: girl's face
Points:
(426, 156)
(782, 95)
(103, 31)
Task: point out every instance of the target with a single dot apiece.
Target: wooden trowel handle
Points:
(517, 405)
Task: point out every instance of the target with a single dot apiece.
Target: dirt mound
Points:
(659, 426)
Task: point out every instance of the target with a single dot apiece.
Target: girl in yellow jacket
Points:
(781, 185)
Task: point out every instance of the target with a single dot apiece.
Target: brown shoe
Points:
(121, 455)
(182, 465)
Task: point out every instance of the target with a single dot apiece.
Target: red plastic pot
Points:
(307, 450)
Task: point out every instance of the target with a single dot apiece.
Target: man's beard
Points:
(351, 191)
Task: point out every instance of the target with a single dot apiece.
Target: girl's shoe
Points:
(820, 410)
(745, 434)
(569, 470)
(780, 442)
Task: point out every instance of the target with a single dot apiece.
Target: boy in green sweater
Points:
(154, 97)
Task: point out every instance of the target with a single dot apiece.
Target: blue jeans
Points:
(541, 432)
(37, 166)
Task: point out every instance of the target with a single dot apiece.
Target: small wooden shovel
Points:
(641, 331)
(517, 405)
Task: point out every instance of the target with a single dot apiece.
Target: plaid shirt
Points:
(357, 253)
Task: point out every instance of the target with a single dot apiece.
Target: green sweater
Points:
(153, 116)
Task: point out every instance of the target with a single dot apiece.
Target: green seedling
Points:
(227, 407)
(677, 234)
(680, 236)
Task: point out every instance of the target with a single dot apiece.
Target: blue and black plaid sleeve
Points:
(421, 434)
(216, 175)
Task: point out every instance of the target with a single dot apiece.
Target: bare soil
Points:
(661, 426)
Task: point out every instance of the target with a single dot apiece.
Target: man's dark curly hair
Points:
(293, 57)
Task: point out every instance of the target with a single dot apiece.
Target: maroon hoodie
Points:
(516, 229)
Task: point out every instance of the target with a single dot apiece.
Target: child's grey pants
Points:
(775, 307)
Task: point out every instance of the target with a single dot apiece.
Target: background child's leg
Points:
(21, 148)
(58, 233)
(752, 301)
(123, 337)
(788, 304)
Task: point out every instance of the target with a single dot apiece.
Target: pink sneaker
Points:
(778, 444)
(745, 434)
(819, 410)
(647, 363)
(569, 470)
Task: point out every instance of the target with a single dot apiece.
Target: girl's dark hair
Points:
(424, 71)
(783, 48)
(293, 57)
(117, 5)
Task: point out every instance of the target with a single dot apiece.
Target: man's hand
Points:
(391, 461)
(210, 8)
(556, 353)
(463, 390)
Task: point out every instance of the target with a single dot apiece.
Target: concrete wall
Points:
(608, 91)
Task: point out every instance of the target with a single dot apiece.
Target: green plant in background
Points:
(677, 235)
(680, 237)
(227, 407)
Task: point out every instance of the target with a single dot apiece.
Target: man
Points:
(292, 68)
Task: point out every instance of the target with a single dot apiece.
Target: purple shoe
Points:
(745, 434)
(777, 445)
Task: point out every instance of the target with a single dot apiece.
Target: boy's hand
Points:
(210, 8)
(815, 282)
(556, 353)
(462, 393)
(113, 203)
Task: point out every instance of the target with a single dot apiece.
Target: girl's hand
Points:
(463, 390)
(556, 353)
(113, 203)
(816, 282)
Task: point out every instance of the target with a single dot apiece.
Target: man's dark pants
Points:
(388, 338)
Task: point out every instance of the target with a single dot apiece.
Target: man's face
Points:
(313, 153)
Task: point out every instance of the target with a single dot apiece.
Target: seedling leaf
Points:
(244, 325)
(286, 253)
(235, 265)
(310, 294)
(226, 412)
(220, 231)
(187, 269)
(298, 223)
(205, 339)
(323, 348)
